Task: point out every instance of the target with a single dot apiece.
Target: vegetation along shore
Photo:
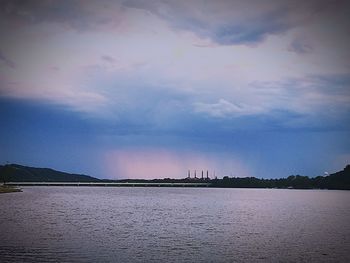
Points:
(8, 189)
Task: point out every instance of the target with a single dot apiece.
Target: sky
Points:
(151, 89)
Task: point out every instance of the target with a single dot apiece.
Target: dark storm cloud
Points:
(8, 62)
(300, 47)
(240, 22)
(220, 26)
(108, 59)
(70, 12)
(245, 34)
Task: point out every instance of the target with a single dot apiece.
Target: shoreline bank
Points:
(9, 189)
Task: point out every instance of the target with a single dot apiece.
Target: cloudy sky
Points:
(150, 89)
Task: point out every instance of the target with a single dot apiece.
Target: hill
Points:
(19, 173)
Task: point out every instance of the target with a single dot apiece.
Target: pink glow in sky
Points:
(160, 163)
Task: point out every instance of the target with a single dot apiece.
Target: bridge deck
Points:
(125, 184)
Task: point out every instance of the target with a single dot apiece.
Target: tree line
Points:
(339, 180)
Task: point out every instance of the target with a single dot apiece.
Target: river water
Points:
(111, 224)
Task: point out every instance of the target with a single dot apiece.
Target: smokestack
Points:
(207, 174)
(202, 175)
(195, 174)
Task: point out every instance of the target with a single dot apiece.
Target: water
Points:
(99, 224)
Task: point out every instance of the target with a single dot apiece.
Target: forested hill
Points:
(339, 180)
(19, 173)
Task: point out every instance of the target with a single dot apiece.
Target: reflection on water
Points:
(93, 224)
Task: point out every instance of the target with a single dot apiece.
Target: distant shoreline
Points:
(18, 175)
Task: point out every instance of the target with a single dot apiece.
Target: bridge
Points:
(111, 184)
